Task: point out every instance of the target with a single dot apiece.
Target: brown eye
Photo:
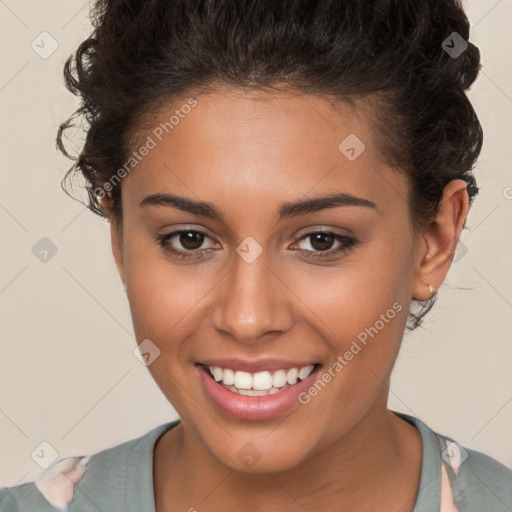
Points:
(185, 244)
(191, 240)
(322, 241)
(320, 244)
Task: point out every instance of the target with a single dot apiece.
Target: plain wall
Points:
(68, 375)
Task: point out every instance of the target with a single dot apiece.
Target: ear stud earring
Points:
(431, 289)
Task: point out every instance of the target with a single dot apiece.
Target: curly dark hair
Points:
(142, 53)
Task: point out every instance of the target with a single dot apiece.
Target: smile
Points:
(255, 396)
(261, 383)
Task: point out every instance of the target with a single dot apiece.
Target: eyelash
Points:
(348, 243)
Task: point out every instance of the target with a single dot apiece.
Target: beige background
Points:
(67, 372)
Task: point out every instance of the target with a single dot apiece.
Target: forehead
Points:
(261, 146)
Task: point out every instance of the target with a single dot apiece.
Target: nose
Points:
(253, 302)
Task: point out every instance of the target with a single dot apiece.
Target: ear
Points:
(439, 240)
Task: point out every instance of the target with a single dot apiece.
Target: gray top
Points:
(120, 479)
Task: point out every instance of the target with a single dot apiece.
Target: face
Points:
(254, 279)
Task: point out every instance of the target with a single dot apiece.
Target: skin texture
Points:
(247, 153)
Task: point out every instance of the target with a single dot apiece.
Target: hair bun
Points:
(468, 66)
(463, 69)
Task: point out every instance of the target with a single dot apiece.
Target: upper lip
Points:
(255, 366)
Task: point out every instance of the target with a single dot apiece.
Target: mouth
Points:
(235, 393)
(261, 383)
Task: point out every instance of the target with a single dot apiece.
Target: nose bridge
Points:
(253, 302)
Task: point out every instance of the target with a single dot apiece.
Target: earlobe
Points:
(440, 239)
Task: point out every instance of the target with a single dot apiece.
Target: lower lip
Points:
(254, 407)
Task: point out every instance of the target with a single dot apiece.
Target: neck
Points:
(376, 465)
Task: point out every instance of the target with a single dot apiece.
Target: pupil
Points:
(191, 240)
(327, 241)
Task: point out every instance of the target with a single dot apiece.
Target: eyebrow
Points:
(287, 210)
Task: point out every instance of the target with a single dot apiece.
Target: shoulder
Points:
(52, 490)
(102, 474)
(477, 481)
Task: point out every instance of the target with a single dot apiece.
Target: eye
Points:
(321, 243)
(190, 239)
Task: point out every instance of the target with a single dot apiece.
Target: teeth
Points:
(261, 381)
(217, 373)
(291, 376)
(279, 379)
(254, 392)
(243, 380)
(228, 377)
(304, 372)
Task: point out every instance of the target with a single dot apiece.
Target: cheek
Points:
(363, 306)
(159, 293)
(164, 299)
(352, 295)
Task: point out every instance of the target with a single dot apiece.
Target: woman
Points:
(286, 183)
